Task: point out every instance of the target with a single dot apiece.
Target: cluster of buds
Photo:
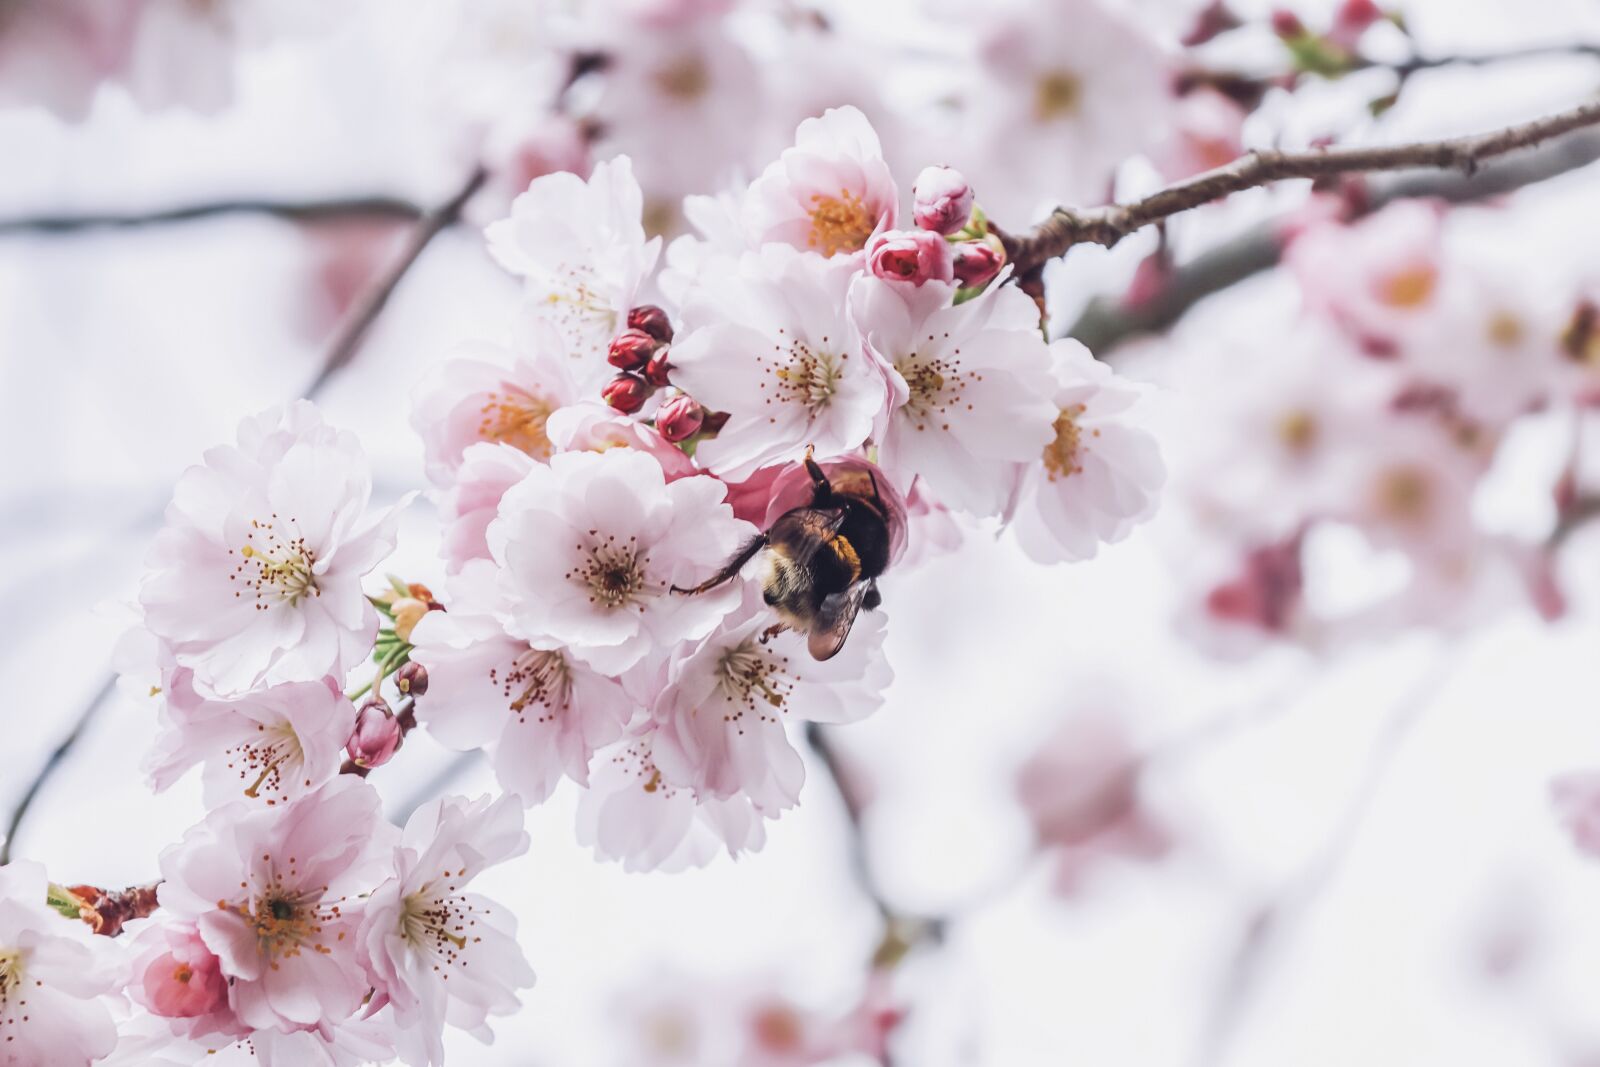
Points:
(640, 355)
(1334, 51)
(951, 243)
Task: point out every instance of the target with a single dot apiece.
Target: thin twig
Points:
(343, 349)
(1109, 224)
(1483, 59)
(1109, 321)
(339, 208)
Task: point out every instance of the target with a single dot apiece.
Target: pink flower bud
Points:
(680, 418)
(653, 321)
(412, 679)
(631, 349)
(184, 982)
(1355, 17)
(976, 262)
(1287, 24)
(626, 392)
(914, 256)
(657, 371)
(376, 736)
(943, 200)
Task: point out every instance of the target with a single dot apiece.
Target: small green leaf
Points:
(63, 901)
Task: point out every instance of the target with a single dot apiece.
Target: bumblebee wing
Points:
(804, 532)
(834, 619)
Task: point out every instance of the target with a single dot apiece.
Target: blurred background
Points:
(1185, 804)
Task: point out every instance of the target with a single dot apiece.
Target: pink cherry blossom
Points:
(774, 346)
(266, 747)
(580, 248)
(177, 977)
(256, 576)
(971, 387)
(1098, 477)
(542, 713)
(828, 193)
(593, 427)
(912, 257)
(486, 392)
(590, 546)
(470, 505)
(722, 715)
(276, 897)
(1209, 133)
(421, 929)
(58, 982)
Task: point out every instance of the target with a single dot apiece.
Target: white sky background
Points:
(124, 354)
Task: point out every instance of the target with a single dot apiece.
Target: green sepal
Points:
(61, 900)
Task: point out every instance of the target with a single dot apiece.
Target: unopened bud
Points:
(422, 593)
(653, 321)
(407, 612)
(376, 736)
(977, 262)
(412, 679)
(658, 370)
(943, 200)
(631, 349)
(913, 256)
(626, 392)
(1287, 24)
(680, 418)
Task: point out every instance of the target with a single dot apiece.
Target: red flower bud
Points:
(680, 418)
(914, 256)
(976, 262)
(1287, 24)
(657, 370)
(631, 349)
(376, 736)
(412, 678)
(943, 200)
(653, 321)
(626, 392)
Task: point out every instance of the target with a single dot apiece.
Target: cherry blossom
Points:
(276, 897)
(589, 547)
(268, 747)
(420, 929)
(178, 978)
(472, 502)
(256, 576)
(58, 982)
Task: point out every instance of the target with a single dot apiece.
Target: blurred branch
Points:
(1109, 321)
(1268, 921)
(343, 349)
(1108, 225)
(360, 207)
(1483, 59)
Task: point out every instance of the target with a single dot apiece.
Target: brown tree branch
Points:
(360, 207)
(1108, 321)
(1109, 224)
(339, 354)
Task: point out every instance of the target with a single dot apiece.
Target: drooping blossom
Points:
(724, 712)
(971, 387)
(436, 953)
(828, 193)
(542, 713)
(266, 747)
(276, 896)
(774, 346)
(580, 248)
(256, 576)
(631, 814)
(177, 977)
(58, 982)
(487, 392)
(589, 547)
(1098, 478)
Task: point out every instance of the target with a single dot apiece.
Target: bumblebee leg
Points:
(821, 489)
(731, 568)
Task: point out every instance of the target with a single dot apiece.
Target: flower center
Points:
(614, 573)
(1408, 288)
(839, 223)
(1298, 431)
(264, 756)
(273, 567)
(1404, 494)
(749, 674)
(1061, 455)
(575, 305)
(1057, 95)
(1505, 329)
(10, 972)
(537, 679)
(778, 1029)
(685, 79)
(809, 377)
(286, 921)
(935, 386)
(517, 418)
(438, 922)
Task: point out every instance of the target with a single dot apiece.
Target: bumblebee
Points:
(826, 557)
